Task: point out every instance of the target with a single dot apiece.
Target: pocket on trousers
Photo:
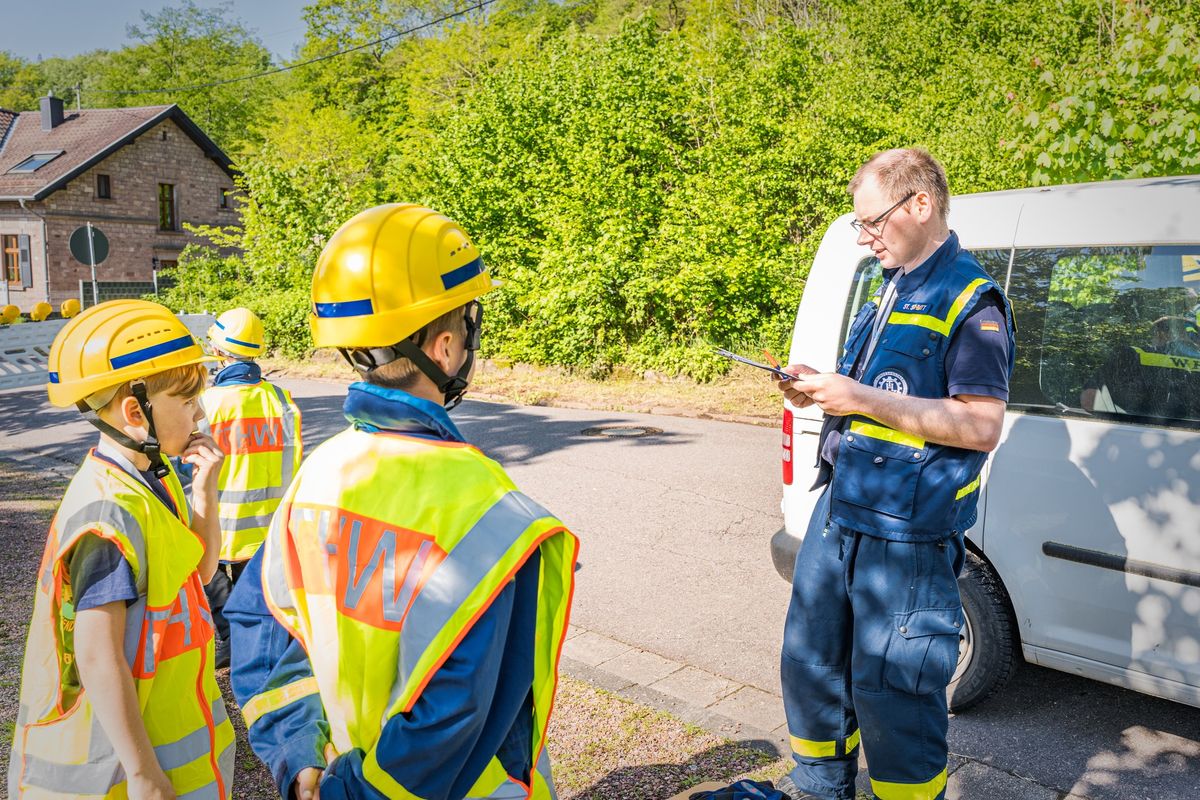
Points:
(924, 650)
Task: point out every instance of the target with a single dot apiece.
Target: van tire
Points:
(991, 649)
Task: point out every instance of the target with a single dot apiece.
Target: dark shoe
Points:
(788, 787)
(222, 647)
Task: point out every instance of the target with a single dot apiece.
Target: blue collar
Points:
(239, 372)
(373, 409)
(945, 254)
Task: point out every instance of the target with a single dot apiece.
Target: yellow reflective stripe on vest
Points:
(1165, 361)
(811, 748)
(384, 783)
(451, 599)
(966, 490)
(277, 698)
(929, 790)
(942, 325)
(887, 434)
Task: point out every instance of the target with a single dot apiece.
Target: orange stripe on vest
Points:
(373, 569)
(250, 435)
(170, 632)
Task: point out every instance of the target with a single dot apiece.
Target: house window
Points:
(12, 258)
(225, 197)
(168, 220)
(103, 187)
(36, 161)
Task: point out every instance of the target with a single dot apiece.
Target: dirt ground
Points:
(603, 747)
(744, 395)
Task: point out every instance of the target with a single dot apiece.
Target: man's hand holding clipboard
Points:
(784, 376)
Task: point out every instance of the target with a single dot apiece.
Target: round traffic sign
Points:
(79, 245)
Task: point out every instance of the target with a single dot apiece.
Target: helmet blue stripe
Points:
(231, 340)
(456, 277)
(153, 351)
(353, 308)
(54, 377)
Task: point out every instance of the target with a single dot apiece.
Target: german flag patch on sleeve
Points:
(989, 325)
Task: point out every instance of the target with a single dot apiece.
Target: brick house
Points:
(137, 174)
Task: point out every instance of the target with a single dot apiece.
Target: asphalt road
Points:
(675, 529)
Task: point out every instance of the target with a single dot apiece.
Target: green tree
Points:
(1130, 108)
(184, 46)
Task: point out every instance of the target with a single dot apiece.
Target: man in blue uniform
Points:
(916, 403)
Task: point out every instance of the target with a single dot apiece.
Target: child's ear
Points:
(439, 351)
(131, 412)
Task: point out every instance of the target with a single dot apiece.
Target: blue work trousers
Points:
(870, 644)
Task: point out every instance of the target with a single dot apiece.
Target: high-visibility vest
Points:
(385, 551)
(59, 748)
(257, 426)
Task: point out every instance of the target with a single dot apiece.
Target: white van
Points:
(1086, 555)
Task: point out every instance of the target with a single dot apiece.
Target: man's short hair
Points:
(186, 381)
(403, 373)
(903, 171)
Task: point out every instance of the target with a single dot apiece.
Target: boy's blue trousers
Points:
(870, 644)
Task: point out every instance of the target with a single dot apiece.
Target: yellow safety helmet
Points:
(237, 332)
(41, 311)
(389, 272)
(9, 314)
(115, 342)
(69, 308)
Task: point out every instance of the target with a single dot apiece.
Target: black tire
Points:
(989, 646)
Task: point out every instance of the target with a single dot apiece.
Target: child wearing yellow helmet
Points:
(257, 426)
(398, 633)
(118, 697)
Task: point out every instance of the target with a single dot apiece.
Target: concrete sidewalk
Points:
(748, 714)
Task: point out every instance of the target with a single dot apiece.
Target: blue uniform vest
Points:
(888, 481)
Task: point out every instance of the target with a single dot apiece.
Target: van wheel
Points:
(988, 647)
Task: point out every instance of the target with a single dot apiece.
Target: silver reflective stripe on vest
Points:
(108, 513)
(69, 779)
(274, 580)
(206, 792)
(254, 495)
(245, 523)
(459, 574)
(196, 744)
(101, 772)
(543, 767)
(289, 437)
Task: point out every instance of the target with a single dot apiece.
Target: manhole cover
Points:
(622, 431)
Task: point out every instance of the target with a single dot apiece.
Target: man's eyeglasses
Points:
(874, 227)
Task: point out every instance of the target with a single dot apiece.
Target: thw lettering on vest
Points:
(170, 632)
(249, 435)
(373, 569)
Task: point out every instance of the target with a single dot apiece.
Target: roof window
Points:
(36, 161)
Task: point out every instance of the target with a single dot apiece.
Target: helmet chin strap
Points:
(452, 387)
(150, 447)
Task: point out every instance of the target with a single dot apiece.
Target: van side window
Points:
(1110, 332)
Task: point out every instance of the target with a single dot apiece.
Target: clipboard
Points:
(779, 373)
